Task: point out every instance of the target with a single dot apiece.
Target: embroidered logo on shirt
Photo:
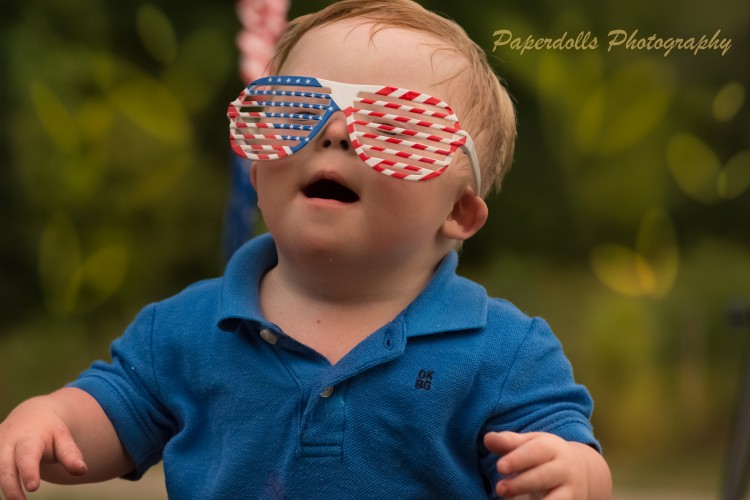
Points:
(424, 380)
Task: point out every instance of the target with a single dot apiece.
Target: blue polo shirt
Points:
(237, 409)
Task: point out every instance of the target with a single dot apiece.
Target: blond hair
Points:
(490, 119)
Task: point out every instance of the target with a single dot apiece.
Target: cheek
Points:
(417, 209)
(268, 187)
(273, 175)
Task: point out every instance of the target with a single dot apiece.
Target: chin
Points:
(320, 246)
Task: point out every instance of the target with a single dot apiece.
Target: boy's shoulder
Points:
(195, 306)
(456, 303)
(503, 313)
(503, 321)
(499, 313)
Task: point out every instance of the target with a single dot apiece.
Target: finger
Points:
(532, 453)
(536, 480)
(68, 453)
(10, 484)
(29, 453)
(561, 493)
(501, 443)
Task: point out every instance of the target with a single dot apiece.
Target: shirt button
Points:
(327, 392)
(269, 336)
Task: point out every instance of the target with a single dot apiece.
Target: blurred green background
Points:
(625, 221)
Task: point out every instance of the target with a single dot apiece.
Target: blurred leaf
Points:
(106, 268)
(698, 171)
(65, 277)
(620, 268)
(650, 269)
(728, 101)
(54, 117)
(624, 109)
(144, 100)
(102, 273)
(734, 179)
(156, 33)
(694, 166)
(151, 106)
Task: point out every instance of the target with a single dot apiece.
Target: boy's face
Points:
(324, 199)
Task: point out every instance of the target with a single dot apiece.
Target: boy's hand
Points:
(34, 433)
(547, 466)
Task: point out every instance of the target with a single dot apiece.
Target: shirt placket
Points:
(323, 387)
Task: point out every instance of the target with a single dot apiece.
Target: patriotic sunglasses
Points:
(401, 133)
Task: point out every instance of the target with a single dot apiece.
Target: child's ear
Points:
(467, 217)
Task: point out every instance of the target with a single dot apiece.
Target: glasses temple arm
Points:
(469, 148)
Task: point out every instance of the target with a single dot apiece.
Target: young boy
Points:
(340, 356)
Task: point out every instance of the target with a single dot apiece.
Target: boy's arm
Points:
(65, 436)
(547, 465)
(539, 393)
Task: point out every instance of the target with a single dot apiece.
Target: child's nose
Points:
(335, 133)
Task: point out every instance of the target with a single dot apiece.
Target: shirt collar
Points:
(448, 303)
(241, 283)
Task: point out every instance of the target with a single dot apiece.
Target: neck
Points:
(333, 282)
(331, 307)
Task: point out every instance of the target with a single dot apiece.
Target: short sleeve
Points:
(128, 392)
(541, 395)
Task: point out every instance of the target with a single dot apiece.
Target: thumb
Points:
(68, 454)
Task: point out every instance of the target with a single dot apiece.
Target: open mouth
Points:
(328, 189)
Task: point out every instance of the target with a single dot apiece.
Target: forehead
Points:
(350, 51)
